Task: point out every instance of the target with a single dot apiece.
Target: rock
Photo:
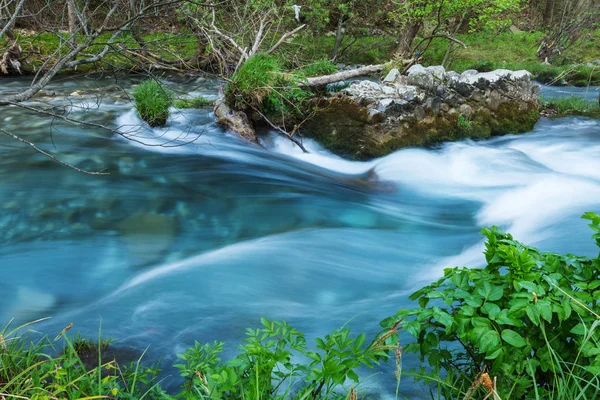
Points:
(513, 29)
(437, 71)
(469, 72)
(465, 110)
(391, 76)
(420, 77)
(369, 120)
(147, 236)
(417, 68)
(31, 304)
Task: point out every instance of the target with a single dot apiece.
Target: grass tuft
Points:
(571, 105)
(196, 102)
(152, 101)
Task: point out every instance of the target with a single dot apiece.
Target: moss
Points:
(346, 128)
(510, 118)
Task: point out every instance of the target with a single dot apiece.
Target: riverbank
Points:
(485, 52)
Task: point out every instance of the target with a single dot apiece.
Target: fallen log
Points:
(233, 120)
(320, 81)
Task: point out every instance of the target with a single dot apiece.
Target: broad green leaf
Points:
(513, 338)
(488, 341)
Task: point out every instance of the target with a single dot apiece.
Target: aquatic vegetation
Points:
(571, 105)
(195, 102)
(152, 101)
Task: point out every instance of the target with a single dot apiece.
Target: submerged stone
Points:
(147, 236)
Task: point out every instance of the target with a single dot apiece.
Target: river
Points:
(200, 235)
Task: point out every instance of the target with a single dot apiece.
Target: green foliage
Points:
(317, 68)
(261, 84)
(463, 123)
(572, 105)
(28, 370)
(195, 102)
(527, 318)
(267, 366)
(152, 102)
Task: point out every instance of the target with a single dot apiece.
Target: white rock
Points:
(437, 71)
(391, 76)
(415, 69)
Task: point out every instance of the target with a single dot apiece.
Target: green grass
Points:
(195, 102)
(32, 367)
(317, 68)
(571, 106)
(486, 52)
(152, 102)
(261, 83)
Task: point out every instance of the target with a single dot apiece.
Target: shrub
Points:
(261, 84)
(527, 319)
(152, 102)
(195, 102)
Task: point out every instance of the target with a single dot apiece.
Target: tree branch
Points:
(12, 19)
(50, 156)
(284, 37)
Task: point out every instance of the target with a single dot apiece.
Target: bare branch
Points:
(284, 37)
(12, 19)
(50, 156)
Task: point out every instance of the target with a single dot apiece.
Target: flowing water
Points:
(199, 235)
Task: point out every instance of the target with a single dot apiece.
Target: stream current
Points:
(198, 235)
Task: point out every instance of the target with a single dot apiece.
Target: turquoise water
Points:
(195, 235)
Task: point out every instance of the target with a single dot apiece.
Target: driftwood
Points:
(320, 81)
(233, 120)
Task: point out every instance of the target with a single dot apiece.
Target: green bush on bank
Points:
(152, 102)
(528, 319)
(262, 84)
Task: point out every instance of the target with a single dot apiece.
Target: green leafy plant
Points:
(463, 123)
(195, 102)
(528, 319)
(268, 366)
(152, 102)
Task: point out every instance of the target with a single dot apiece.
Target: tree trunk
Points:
(549, 13)
(72, 20)
(405, 41)
(339, 37)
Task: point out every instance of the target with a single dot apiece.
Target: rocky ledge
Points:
(424, 107)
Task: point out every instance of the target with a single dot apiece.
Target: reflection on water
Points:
(198, 241)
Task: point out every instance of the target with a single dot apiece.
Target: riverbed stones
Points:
(147, 236)
(423, 107)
